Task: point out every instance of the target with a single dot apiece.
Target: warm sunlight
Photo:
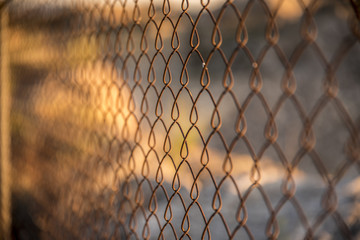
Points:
(288, 9)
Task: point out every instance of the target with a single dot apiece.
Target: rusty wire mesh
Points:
(185, 119)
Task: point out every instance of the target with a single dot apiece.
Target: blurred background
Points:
(173, 119)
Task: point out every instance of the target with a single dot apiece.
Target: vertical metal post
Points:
(5, 166)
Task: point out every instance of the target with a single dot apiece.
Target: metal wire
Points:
(186, 119)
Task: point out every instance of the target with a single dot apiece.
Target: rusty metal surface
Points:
(187, 119)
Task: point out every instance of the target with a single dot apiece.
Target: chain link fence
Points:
(179, 119)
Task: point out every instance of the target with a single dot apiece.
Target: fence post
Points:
(5, 167)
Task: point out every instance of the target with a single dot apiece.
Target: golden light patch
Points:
(289, 9)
